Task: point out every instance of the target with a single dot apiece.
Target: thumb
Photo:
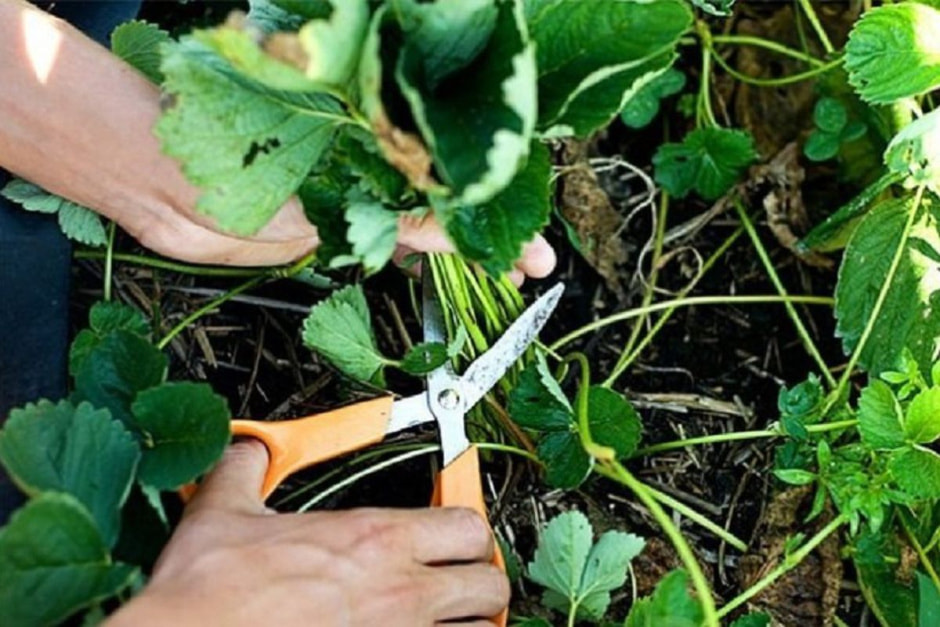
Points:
(234, 485)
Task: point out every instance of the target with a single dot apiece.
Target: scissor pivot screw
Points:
(449, 399)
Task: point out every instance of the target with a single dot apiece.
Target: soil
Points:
(711, 370)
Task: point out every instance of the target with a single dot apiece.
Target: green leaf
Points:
(821, 146)
(880, 420)
(582, 87)
(77, 450)
(567, 464)
(643, 107)
(184, 429)
(310, 9)
(718, 8)
(606, 571)
(54, 562)
(928, 612)
(709, 161)
(892, 601)
(424, 357)
(804, 400)
(534, 404)
(577, 573)
(917, 471)
(247, 146)
(915, 152)
(270, 16)
(76, 222)
(922, 423)
(893, 52)
(670, 604)
(333, 43)
(613, 421)
(910, 315)
(138, 43)
(497, 92)
(493, 234)
(104, 318)
(795, 476)
(754, 619)
(373, 233)
(81, 225)
(114, 371)
(339, 328)
(830, 115)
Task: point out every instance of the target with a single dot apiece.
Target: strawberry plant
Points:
(371, 112)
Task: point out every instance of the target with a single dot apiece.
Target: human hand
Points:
(234, 562)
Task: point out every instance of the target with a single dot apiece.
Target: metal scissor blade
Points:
(409, 412)
(486, 371)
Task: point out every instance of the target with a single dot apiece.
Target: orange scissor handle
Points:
(296, 444)
(459, 485)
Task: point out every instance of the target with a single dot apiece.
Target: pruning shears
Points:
(296, 444)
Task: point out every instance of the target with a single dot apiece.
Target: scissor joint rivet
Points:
(449, 399)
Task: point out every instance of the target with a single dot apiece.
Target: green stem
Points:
(222, 298)
(109, 261)
(689, 301)
(699, 582)
(626, 360)
(759, 42)
(506, 448)
(924, 559)
(817, 25)
(775, 279)
(882, 295)
(706, 116)
(697, 518)
(162, 264)
(736, 436)
(781, 81)
(595, 450)
(789, 562)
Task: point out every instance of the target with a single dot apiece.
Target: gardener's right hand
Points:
(234, 562)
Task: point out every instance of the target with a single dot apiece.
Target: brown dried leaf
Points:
(404, 150)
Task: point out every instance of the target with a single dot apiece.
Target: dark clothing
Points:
(34, 272)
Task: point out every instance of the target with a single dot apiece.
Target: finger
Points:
(289, 224)
(423, 234)
(450, 534)
(235, 483)
(467, 591)
(538, 258)
(516, 276)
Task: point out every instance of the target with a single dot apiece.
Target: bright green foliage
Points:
(538, 403)
(893, 52)
(908, 376)
(54, 562)
(493, 234)
(115, 370)
(77, 223)
(922, 421)
(754, 619)
(138, 44)
(582, 87)
(833, 128)
(718, 8)
(643, 107)
(246, 145)
(917, 471)
(332, 42)
(77, 450)
(915, 152)
(928, 610)
(497, 92)
(880, 419)
(910, 315)
(372, 232)
(708, 161)
(423, 358)
(670, 604)
(579, 577)
(184, 428)
(339, 328)
(105, 317)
